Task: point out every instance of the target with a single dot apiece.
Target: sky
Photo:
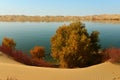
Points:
(59, 7)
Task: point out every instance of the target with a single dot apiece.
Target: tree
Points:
(8, 42)
(38, 52)
(72, 46)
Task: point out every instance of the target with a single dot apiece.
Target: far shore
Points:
(115, 18)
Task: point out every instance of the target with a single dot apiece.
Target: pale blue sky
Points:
(59, 7)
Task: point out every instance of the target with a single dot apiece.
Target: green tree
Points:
(72, 46)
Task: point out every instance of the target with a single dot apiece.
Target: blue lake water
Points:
(29, 34)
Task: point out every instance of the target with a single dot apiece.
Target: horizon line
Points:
(55, 15)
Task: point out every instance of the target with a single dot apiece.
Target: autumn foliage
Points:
(8, 47)
(16, 55)
(8, 42)
(38, 52)
(111, 54)
(72, 46)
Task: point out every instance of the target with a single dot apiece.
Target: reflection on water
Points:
(105, 21)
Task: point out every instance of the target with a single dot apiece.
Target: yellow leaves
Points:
(79, 58)
(9, 42)
(72, 43)
(37, 52)
(83, 37)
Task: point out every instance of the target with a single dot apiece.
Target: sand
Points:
(11, 68)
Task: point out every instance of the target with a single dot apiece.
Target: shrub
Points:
(41, 62)
(111, 54)
(74, 47)
(6, 50)
(8, 42)
(22, 57)
(16, 55)
(37, 52)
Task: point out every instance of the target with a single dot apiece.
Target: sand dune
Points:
(25, 18)
(10, 68)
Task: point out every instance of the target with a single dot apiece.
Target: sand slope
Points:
(104, 71)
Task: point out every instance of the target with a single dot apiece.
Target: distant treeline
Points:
(24, 18)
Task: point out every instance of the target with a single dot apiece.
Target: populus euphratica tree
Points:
(38, 52)
(73, 47)
(8, 42)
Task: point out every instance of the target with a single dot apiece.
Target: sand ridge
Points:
(11, 68)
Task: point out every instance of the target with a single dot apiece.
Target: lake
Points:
(30, 34)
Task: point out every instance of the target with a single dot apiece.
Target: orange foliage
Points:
(37, 52)
(73, 47)
(8, 42)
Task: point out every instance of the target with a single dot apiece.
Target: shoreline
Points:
(11, 68)
(25, 18)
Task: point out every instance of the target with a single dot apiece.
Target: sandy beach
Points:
(11, 68)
